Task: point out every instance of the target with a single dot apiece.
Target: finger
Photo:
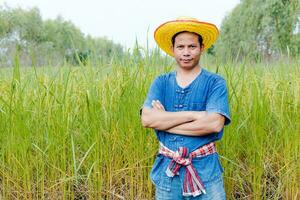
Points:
(157, 106)
(160, 105)
(154, 105)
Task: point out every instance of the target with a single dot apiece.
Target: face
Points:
(187, 50)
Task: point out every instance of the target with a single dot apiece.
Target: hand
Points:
(157, 105)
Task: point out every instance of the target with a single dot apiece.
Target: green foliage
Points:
(63, 35)
(50, 42)
(79, 58)
(260, 29)
(211, 50)
(102, 50)
(75, 132)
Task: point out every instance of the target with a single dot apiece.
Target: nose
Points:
(186, 52)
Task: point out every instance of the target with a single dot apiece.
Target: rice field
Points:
(75, 132)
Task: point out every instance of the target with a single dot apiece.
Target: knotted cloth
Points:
(192, 185)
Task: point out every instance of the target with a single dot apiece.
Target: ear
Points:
(202, 48)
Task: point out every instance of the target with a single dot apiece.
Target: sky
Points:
(125, 21)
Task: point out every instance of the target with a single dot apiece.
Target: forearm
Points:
(203, 125)
(163, 120)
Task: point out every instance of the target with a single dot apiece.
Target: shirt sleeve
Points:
(154, 93)
(218, 100)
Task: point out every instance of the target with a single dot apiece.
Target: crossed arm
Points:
(192, 123)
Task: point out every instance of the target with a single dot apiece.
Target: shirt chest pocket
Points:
(196, 106)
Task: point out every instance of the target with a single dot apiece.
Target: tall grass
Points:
(75, 132)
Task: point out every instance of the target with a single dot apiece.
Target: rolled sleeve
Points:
(154, 93)
(218, 100)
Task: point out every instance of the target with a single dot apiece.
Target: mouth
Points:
(186, 60)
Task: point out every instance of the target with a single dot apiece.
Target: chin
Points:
(188, 66)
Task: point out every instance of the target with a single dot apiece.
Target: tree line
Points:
(261, 29)
(53, 42)
(255, 29)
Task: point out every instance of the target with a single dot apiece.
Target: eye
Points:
(179, 47)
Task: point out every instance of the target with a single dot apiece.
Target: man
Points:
(188, 109)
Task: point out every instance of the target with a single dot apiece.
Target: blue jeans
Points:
(214, 191)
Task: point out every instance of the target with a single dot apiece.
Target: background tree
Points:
(50, 42)
(260, 28)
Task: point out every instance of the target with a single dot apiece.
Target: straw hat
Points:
(164, 33)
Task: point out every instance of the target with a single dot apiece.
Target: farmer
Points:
(188, 109)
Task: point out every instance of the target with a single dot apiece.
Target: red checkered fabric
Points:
(192, 185)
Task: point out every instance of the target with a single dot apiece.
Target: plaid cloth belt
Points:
(192, 185)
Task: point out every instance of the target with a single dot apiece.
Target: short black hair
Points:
(200, 39)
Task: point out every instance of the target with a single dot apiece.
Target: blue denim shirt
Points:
(207, 92)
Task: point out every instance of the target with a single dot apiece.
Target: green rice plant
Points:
(75, 132)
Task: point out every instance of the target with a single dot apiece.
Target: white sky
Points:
(125, 20)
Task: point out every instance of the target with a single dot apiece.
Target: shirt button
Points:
(182, 91)
(176, 106)
(180, 106)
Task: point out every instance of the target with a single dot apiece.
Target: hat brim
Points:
(164, 33)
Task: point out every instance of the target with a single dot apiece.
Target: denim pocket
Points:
(208, 167)
(158, 173)
(155, 171)
(215, 189)
(164, 182)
